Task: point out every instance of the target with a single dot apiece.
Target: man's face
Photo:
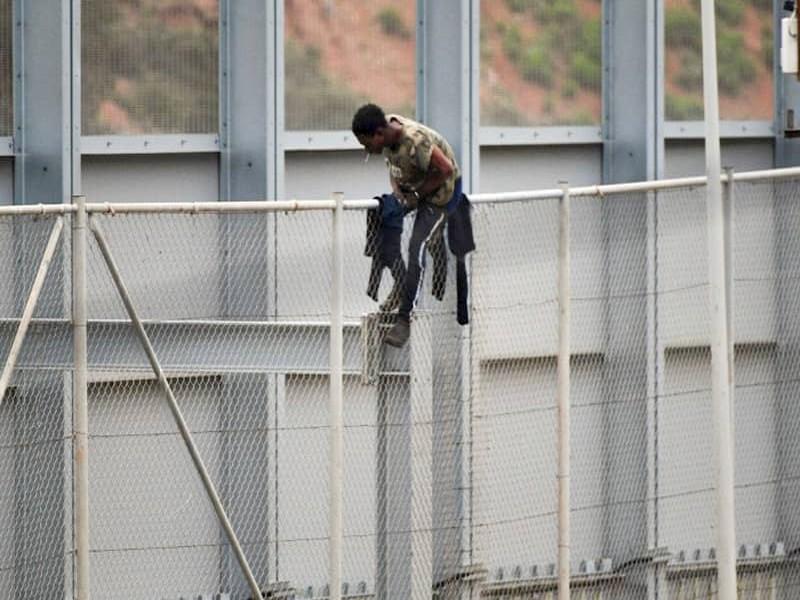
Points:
(373, 144)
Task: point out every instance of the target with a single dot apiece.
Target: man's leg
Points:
(426, 220)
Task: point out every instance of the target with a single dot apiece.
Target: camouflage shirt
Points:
(409, 160)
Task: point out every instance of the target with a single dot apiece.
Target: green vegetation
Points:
(537, 65)
(736, 68)
(501, 109)
(766, 45)
(512, 44)
(520, 6)
(391, 23)
(585, 71)
(313, 100)
(162, 78)
(569, 89)
(556, 12)
(738, 65)
(729, 12)
(682, 28)
(536, 59)
(691, 73)
(683, 108)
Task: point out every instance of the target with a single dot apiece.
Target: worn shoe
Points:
(398, 334)
(392, 301)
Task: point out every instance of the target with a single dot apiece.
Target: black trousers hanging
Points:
(427, 234)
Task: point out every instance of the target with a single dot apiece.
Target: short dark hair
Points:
(368, 119)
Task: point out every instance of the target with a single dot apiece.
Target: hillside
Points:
(151, 65)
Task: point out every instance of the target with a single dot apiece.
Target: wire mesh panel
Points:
(765, 277)
(744, 56)
(450, 458)
(335, 51)
(35, 417)
(237, 308)
(149, 67)
(6, 68)
(514, 349)
(540, 62)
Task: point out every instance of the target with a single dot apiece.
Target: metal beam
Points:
(195, 346)
(633, 84)
(787, 98)
(448, 78)
(633, 126)
(448, 42)
(46, 90)
(251, 114)
(46, 105)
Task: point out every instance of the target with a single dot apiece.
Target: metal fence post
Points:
(563, 395)
(336, 411)
(729, 215)
(720, 388)
(80, 419)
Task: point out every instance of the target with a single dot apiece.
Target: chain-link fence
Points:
(450, 462)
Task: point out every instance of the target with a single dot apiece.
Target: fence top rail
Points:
(640, 186)
(34, 210)
(112, 208)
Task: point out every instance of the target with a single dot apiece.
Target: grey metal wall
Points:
(6, 181)
(315, 173)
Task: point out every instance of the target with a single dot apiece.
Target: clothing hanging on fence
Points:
(384, 230)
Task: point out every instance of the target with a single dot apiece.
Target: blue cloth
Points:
(455, 199)
(392, 212)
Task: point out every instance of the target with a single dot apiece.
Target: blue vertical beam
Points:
(633, 150)
(251, 168)
(633, 84)
(251, 99)
(448, 45)
(46, 89)
(787, 244)
(787, 98)
(251, 141)
(46, 101)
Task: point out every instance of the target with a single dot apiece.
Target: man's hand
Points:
(439, 170)
(405, 194)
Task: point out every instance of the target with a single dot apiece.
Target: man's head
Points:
(369, 127)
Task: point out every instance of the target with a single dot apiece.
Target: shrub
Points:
(586, 71)
(392, 23)
(500, 110)
(736, 67)
(767, 51)
(519, 6)
(691, 75)
(561, 12)
(591, 40)
(683, 28)
(512, 43)
(683, 108)
(537, 66)
(569, 89)
(729, 12)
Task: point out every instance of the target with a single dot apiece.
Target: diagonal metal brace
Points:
(30, 306)
(173, 405)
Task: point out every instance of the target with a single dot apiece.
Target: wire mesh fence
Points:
(450, 462)
(6, 69)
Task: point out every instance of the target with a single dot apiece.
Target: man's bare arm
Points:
(439, 170)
